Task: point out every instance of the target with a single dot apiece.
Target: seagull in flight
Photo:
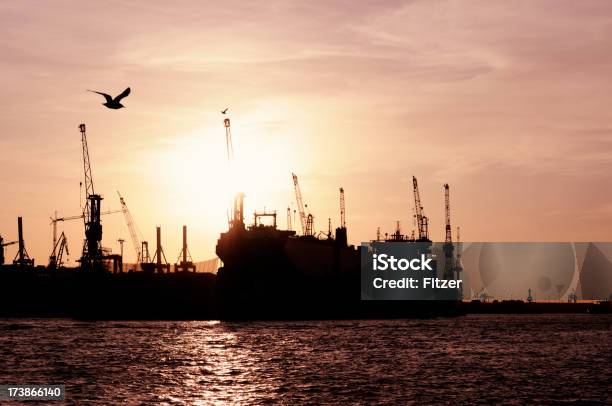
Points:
(225, 111)
(113, 103)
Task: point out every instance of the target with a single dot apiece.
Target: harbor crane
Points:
(305, 221)
(56, 260)
(92, 256)
(448, 247)
(458, 264)
(2, 245)
(422, 220)
(129, 221)
(342, 209)
(341, 234)
(55, 220)
(289, 226)
(228, 139)
(186, 263)
(160, 261)
(22, 258)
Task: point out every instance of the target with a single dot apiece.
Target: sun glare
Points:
(198, 169)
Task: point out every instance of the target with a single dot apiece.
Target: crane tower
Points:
(129, 221)
(300, 204)
(448, 241)
(92, 256)
(228, 140)
(341, 234)
(421, 219)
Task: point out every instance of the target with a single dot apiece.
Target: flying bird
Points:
(113, 103)
(225, 111)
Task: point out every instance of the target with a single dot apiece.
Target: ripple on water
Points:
(539, 359)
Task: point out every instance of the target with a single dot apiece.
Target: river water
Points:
(485, 359)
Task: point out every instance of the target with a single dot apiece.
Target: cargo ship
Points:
(269, 273)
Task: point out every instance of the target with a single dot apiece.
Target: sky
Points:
(508, 102)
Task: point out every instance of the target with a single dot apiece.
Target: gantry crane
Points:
(448, 240)
(306, 230)
(22, 258)
(2, 245)
(184, 261)
(421, 219)
(161, 263)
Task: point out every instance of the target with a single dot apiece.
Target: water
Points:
(539, 359)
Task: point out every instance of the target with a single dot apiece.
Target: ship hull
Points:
(273, 274)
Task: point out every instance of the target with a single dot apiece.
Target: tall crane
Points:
(342, 209)
(228, 140)
(22, 258)
(129, 221)
(458, 264)
(289, 226)
(300, 204)
(448, 240)
(92, 256)
(341, 234)
(2, 245)
(422, 220)
(459, 248)
(186, 264)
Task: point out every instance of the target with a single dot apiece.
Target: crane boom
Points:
(300, 203)
(418, 209)
(89, 187)
(129, 221)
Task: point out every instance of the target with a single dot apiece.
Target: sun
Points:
(197, 170)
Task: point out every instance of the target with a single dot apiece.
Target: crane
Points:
(289, 227)
(2, 245)
(459, 247)
(341, 234)
(55, 220)
(92, 256)
(342, 209)
(228, 140)
(129, 221)
(458, 264)
(56, 258)
(300, 205)
(22, 258)
(187, 262)
(448, 240)
(422, 220)
(309, 225)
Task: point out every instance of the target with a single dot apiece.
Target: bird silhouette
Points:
(113, 103)
(224, 111)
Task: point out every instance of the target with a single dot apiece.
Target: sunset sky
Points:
(508, 102)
